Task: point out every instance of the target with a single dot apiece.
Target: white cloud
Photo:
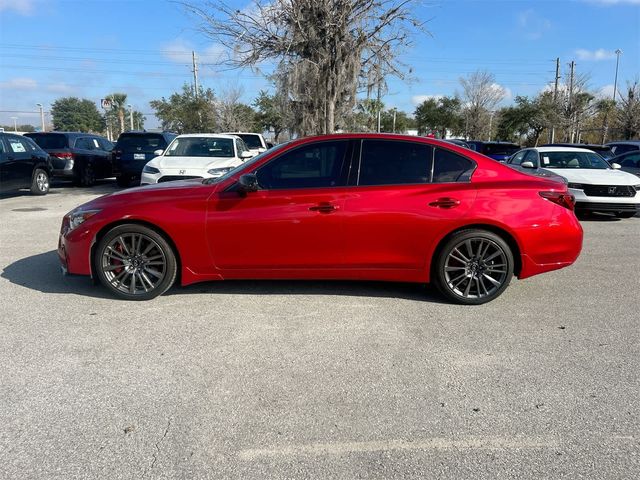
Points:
(20, 83)
(606, 91)
(21, 7)
(61, 88)
(419, 99)
(508, 95)
(595, 55)
(532, 25)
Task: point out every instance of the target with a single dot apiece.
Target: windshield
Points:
(252, 140)
(573, 160)
(50, 141)
(147, 143)
(246, 164)
(200, 147)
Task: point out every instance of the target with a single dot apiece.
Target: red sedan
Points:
(353, 206)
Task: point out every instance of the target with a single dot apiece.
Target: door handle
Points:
(323, 208)
(445, 202)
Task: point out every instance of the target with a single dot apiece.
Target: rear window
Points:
(50, 141)
(252, 141)
(500, 149)
(140, 143)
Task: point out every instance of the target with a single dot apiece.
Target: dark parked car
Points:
(603, 150)
(82, 157)
(457, 141)
(629, 162)
(624, 146)
(500, 151)
(23, 165)
(132, 152)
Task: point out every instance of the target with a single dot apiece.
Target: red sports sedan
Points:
(353, 206)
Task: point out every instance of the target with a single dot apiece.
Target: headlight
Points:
(577, 186)
(637, 187)
(77, 217)
(216, 172)
(148, 169)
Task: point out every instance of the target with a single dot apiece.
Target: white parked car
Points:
(200, 155)
(255, 141)
(597, 185)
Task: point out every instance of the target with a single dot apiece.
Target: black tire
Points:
(87, 175)
(473, 276)
(122, 181)
(120, 257)
(40, 182)
(625, 214)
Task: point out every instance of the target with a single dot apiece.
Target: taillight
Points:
(63, 155)
(563, 199)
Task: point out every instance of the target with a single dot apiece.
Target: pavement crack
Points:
(154, 458)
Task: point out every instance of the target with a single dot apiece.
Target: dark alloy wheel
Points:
(473, 267)
(40, 182)
(135, 262)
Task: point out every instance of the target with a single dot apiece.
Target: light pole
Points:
(395, 111)
(130, 115)
(615, 81)
(15, 124)
(41, 115)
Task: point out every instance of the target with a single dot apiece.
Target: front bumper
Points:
(607, 207)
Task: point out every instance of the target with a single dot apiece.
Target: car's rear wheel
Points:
(625, 214)
(473, 267)
(86, 175)
(40, 182)
(135, 262)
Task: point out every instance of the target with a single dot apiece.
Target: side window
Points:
(451, 167)
(532, 156)
(2, 149)
(311, 166)
(31, 145)
(105, 145)
(517, 158)
(85, 143)
(17, 145)
(632, 160)
(387, 162)
(620, 149)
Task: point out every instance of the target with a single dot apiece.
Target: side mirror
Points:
(245, 155)
(527, 165)
(616, 166)
(269, 145)
(248, 183)
(158, 152)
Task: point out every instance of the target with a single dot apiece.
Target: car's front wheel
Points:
(135, 262)
(473, 267)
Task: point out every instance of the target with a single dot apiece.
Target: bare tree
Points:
(480, 96)
(326, 48)
(233, 115)
(628, 114)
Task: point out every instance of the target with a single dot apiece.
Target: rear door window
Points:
(386, 162)
(85, 143)
(451, 167)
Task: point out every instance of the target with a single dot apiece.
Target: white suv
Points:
(597, 185)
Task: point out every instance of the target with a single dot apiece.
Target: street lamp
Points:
(618, 52)
(130, 115)
(15, 124)
(41, 115)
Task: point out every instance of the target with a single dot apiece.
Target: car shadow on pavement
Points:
(352, 288)
(42, 273)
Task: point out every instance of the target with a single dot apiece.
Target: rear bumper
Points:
(129, 168)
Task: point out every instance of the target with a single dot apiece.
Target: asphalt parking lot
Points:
(314, 379)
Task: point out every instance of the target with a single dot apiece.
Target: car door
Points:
(19, 165)
(6, 181)
(405, 196)
(295, 220)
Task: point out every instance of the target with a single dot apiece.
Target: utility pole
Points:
(615, 82)
(552, 133)
(490, 124)
(15, 124)
(572, 65)
(130, 115)
(195, 74)
(395, 111)
(41, 115)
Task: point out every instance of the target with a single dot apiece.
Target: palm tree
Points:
(118, 104)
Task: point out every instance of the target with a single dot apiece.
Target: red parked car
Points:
(352, 206)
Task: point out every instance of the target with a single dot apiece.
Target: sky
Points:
(90, 48)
